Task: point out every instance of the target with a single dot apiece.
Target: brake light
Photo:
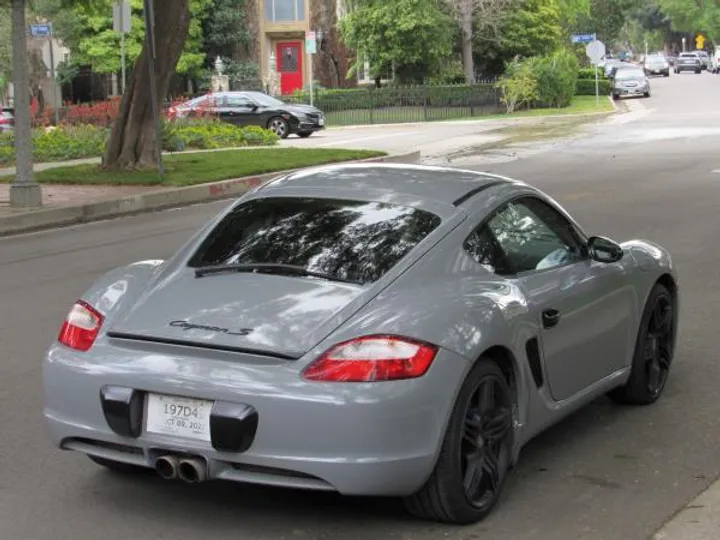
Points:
(81, 327)
(373, 359)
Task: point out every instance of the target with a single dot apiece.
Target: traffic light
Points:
(699, 41)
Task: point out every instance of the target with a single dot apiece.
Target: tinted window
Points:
(238, 102)
(534, 236)
(629, 73)
(484, 248)
(354, 240)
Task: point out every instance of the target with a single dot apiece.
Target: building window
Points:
(285, 10)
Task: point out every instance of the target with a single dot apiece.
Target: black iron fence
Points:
(397, 104)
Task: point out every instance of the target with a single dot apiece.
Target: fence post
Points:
(426, 91)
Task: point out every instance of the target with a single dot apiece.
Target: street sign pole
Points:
(310, 48)
(595, 51)
(122, 23)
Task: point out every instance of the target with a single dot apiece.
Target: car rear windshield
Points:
(354, 240)
(629, 73)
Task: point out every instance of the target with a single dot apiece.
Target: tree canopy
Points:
(413, 36)
(86, 28)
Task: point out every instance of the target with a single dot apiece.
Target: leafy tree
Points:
(86, 28)
(694, 16)
(5, 47)
(531, 28)
(473, 16)
(413, 36)
(607, 18)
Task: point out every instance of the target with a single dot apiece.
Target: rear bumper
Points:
(371, 439)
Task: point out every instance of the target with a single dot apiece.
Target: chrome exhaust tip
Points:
(192, 470)
(167, 467)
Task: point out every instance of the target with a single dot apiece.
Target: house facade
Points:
(282, 28)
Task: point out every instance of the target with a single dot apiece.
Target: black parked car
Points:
(254, 109)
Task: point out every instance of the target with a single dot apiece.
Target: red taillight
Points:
(373, 359)
(81, 327)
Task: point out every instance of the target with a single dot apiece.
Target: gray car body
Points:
(358, 439)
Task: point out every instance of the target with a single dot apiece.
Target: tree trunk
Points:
(466, 31)
(132, 142)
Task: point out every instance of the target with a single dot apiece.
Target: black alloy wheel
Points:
(654, 351)
(476, 452)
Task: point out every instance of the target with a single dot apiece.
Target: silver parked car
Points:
(368, 329)
(630, 81)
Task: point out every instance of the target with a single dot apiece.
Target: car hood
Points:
(261, 313)
(301, 109)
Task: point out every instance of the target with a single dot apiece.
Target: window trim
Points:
(299, 14)
(578, 235)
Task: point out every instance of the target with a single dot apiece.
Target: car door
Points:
(239, 110)
(583, 308)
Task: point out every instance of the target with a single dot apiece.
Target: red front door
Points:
(289, 65)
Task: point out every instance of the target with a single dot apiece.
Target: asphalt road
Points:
(606, 473)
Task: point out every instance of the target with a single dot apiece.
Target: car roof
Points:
(424, 184)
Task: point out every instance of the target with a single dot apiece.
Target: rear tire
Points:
(476, 451)
(615, 97)
(654, 351)
(119, 466)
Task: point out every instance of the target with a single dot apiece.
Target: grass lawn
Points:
(389, 115)
(200, 168)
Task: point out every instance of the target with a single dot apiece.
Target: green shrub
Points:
(589, 73)
(586, 87)
(58, 144)
(519, 85)
(210, 134)
(459, 95)
(85, 141)
(556, 76)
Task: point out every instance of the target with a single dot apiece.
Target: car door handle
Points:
(550, 318)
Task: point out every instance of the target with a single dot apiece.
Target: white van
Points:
(715, 61)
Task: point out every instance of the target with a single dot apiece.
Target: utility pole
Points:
(24, 190)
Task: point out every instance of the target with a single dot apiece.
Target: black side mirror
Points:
(604, 250)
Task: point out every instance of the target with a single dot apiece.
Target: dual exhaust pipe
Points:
(190, 470)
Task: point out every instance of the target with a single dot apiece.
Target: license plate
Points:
(321, 122)
(179, 417)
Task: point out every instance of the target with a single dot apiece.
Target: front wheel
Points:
(654, 351)
(475, 454)
(279, 127)
(615, 97)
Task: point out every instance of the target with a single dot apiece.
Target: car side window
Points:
(534, 236)
(483, 247)
(238, 102)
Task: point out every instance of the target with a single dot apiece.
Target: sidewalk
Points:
(71, 204)
(699, 520)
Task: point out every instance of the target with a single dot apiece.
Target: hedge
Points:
(586, 87)
(75, 142)
(409, 96)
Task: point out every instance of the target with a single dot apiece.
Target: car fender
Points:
(121, 286)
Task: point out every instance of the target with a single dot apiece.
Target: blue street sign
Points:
(583, 38)
(40, 30)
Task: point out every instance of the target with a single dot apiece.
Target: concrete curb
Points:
(63, 216)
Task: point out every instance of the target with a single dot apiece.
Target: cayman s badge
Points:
(185, 325)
